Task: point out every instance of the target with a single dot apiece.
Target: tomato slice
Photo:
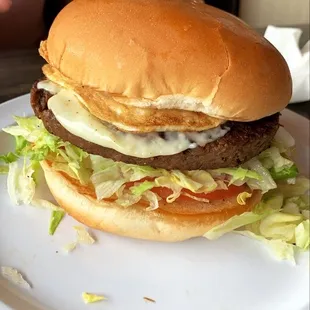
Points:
(162, 192)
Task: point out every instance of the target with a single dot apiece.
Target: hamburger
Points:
(159, 120)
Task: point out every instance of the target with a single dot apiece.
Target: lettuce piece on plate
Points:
(21, 185)
(55, 220)
(83, 236)
(279, 221)
(91, 298)
(70, 247)
(280, 249)
(14, 276)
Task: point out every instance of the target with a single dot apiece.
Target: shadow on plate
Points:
(18, 299)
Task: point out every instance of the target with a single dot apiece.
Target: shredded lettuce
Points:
(138, 190)
(302, 202)
(83, 236)
(280, 225)
(233, 223)
(135, 173)
(21, 185)
(280, 167)
(284, 174)
(238, 174)
(73, 161)
(14, 276)
(195, 197)
(4, 169)
(283, 141)
(166, 181)
(91, 298)
(33, 140)
(302, 235)
(126, 198)
(202, 177)
(283, 238)
(280, 249)
(306, 214)
(153, 199)
(265, 183)
(195, 181)
(21, 188)
(70, 247)
(279, 161)
(109, 177)
(107, 181)
(36, 143)
(280, 220)
(57, 213)
(242, 197)
(8, 158)
(21, 144)
(55, 220)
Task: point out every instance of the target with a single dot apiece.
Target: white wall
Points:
(260, 13)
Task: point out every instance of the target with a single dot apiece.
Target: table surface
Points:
(20, 68)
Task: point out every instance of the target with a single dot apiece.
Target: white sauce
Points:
(77, 120)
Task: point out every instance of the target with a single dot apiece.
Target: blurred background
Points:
(27, 22)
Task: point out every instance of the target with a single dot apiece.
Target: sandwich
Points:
(160, 120)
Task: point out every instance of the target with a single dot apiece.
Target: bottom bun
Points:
(135, 222)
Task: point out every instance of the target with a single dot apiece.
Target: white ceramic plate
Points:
(231, 273)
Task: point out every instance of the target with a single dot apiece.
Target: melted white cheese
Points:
(78, 121)
(49, 86)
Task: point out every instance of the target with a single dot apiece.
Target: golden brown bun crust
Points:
(133, 222)
(202, 58)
